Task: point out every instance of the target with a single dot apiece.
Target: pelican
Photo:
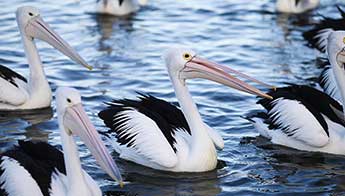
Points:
(157, 134)
(296, 6)
(119, 7)
(40, 169)
(305, 118)
(317, 37)
(18, 93)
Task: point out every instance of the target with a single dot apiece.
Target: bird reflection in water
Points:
(295, 168)
(156, 183)
(107, 25)
(24, 123)
(31, 116)
(289, 22)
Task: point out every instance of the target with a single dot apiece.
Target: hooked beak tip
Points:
(122, 184)
(89, 67)
(269, 97)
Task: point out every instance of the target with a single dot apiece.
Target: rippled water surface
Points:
(126, 52)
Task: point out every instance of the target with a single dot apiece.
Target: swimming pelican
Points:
(18, 93)
(119, 7)
(41, 169)
(304, 118)
(317, 37)
(296, 6)
(157, 134)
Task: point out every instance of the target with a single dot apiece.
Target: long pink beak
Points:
(77, 121)
(202, 68)
(37, 28)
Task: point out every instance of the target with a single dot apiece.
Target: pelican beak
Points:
(37, 28)
(202, 68)
(77, 122)
(338, 72)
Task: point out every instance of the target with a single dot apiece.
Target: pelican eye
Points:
(187, 56)
(69, 100)
(31, 14)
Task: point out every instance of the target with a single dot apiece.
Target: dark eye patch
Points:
(31, 14)
(69, 100)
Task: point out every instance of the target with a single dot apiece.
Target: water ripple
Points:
(126, 53)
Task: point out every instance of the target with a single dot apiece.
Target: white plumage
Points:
(14, 174)
(329, 84)
(299, 124)
(335, 143)
(12, 96)
(16, 93)
(119, 7)
(305, 118)
(321, 37)
(215, 137)
(159, 152)
(296, 6)
(40, 169)
(157, 134)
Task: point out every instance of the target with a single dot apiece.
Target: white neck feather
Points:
(114, 7)
(200, 137)
(38, 84)
(74, 172)
(289, 6)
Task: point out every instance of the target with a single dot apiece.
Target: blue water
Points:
(126, 53)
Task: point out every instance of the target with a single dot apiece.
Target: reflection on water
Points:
(297, 169)
(126, 52)
(288, 23)
(23, 125)
(155, 183)
(31, 116)
(106, 24)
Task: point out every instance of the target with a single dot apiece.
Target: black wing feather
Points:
(322, 80)
(39, 159)
(10, 75)
(167, 116)
(317, 102)
(296, 3)
(326, 23)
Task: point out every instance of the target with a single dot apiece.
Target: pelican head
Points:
(76, 122)
(183, 64)
(32, 26)
(336, 55)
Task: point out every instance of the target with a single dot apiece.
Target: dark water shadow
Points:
(31, 116)
(321, 172)
(144, 181)
(291, 22)
(26, 124)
